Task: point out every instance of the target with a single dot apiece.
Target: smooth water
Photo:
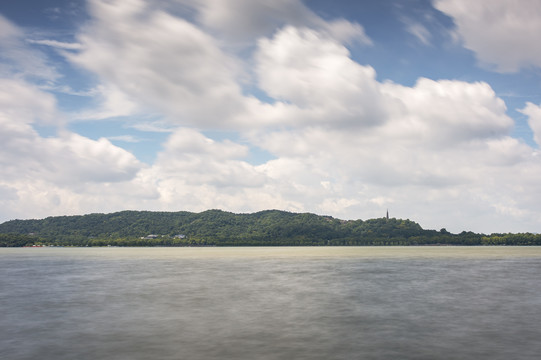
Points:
(270, 303)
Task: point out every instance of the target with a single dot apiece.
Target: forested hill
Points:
(220, 228)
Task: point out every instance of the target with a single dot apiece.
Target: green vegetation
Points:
(220, 228)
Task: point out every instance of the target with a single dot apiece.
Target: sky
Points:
(430, 109)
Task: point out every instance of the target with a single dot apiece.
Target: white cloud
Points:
(56, 44)
(66, 158)
(419, 31)
(71, 158)
(196, 173)
(8, 29)
(25, 104)
(314, 73)
(319, 84)
(152, 126)
(176, 69)
(502, 33)
(52, 173)
(447, 112)
(125, 138)
(247, 20)
(438, 144)
(251, 19)
(342, 142)
(171, 66)
(534, 120)
(111, 102)
(416, 179)
(196, 160)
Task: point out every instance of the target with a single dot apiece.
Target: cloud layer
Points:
(341, 142)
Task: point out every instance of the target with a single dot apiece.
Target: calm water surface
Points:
(271, 303)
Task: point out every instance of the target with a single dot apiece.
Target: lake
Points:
(270, 303)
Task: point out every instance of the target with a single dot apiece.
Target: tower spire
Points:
(387, 214)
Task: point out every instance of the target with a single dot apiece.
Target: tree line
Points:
(220, 228)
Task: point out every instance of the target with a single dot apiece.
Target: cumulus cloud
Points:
(73, 158)
(448, 112)
(51, 171)
(503, 34)
(194, 172)
(368, 172)
(314, 73)
(196, 160)
(435, 144)
(66, 158)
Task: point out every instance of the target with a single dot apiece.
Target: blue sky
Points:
(431, 109)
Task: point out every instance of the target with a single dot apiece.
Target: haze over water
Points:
(271, 303)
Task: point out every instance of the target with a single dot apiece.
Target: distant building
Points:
(387, 214)
(180, 236)
(151, 236)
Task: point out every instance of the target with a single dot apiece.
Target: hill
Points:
(220, 228)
